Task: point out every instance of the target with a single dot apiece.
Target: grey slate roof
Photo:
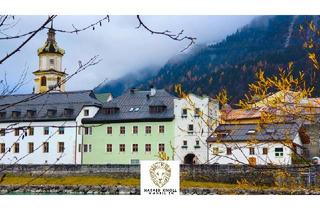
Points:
(268, 132)
(58, 101)
(133, 101)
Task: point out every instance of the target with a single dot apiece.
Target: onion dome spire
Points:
(51, 46)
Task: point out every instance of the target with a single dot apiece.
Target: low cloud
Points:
(122, 47)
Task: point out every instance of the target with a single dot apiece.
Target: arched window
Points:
(58, 81)
(43, 81)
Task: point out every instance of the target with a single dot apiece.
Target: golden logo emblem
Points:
(160, 173)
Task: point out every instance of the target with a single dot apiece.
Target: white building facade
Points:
(50, 135)
(245, 144)
(195, 119)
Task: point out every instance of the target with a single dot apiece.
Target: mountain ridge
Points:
(268, 42)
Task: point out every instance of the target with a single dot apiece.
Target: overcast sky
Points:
(122, 47)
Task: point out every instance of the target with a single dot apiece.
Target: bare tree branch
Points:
(50, 18)
(177, 37)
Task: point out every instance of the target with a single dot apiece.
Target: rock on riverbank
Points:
(131, 190)
(70, 189)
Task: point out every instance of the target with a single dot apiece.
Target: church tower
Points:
(50, 76)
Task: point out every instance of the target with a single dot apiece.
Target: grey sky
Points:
(122, 47)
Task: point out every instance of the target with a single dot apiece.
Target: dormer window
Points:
(31, 113)
(51, 112)
(111, 110)
(16, 114)
(68, 112)
(2, 115)
(137, 109)
(270, 130)
(251, 131)
(157, 109)
(221, 134)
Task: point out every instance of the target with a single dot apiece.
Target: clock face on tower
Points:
(49, 76)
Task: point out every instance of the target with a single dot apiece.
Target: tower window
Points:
(59, 82)
(51, 61)
(43, 81)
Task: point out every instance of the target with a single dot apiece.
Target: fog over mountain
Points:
(267, 43)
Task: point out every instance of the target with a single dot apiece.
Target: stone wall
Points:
(261, 175)
(113, 170)
(265, 175)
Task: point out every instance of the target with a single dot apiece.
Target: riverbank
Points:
(132, 190)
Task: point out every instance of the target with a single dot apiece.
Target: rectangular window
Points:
(2, 132)
(109, 147)
(109, 130)
(2, 148)
(134, 147)
(85, 148)
(122, 130)
(184, 113)
(16, 131)
(135, 129)
(161, 128)
(196, 112)
(30, 147)
(61, 130)
(31, 131)
(51, 61)
(215, 151)
(16, 148)
(197, 144)
(90, 147)
(148, 147)
(278, 151)
(148, 129)
(60, 147)
(46, 131)
(87, 130)
(79, 147)
(251, 150)
(185, 143)
(45, 147)
(122, 147)
(229, 151)
(161, 148)
(265, 151)
(190, 129)
(86, 112)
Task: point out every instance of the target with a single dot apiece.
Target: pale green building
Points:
(132, 127)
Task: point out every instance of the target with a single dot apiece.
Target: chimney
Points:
(152, 91)
(148, 96)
